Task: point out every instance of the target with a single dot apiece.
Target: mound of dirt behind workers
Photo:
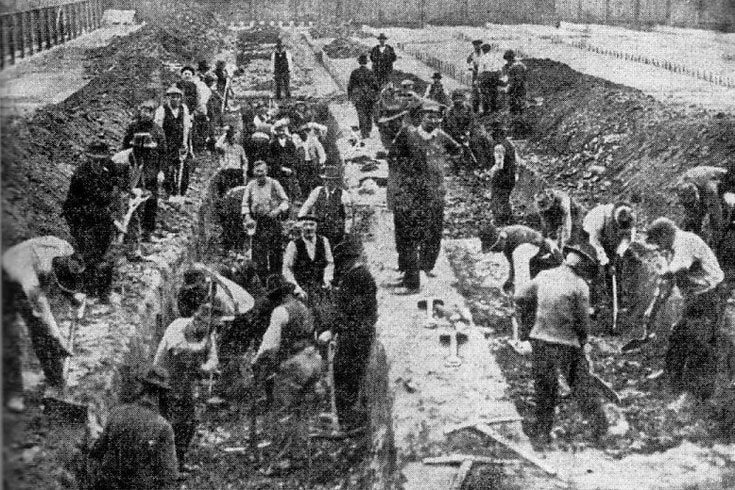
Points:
(40, 153)
(256, 43)
(344, 48)
(606, 141)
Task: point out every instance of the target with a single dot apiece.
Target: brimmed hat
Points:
(69, 272)
(382, 36)
(156, 376)
(436, 76)
(362, 59)
(407, 82)
(98, 150)
(277, 285)
(187, 68)
(143, 140)
(509, 55)
(477, 42)
(308, 217)
(331, 172)
(584, 250)
(429, 105)
(174, 90)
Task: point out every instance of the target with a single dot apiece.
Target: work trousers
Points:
(691, 356)
(350, 364)
(500, 205)
(180, 411)
(283, 85)
(421, 241)
(93, 235)
(175, 169)
(488, 87)
(547, 362)
(49, 356)
(148, 211)
(365, 117)
(268, 247)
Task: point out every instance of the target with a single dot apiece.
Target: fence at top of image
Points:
(699, 74)
(27, 32)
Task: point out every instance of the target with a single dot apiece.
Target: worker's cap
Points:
(331, 172)
(156, 377)
(429, 105)
(188, 68)
(220, 64)
(69, 271)
(382, 36)
(509, 55)
(486, 47)
(174, 90)
(276, 285)
(259, 163)
(308, 217)
(586, 253)
(436, 76)
(362, 59)
(661, 231)
(144, 140)
(407, 83)
(260, 136)
(203, 65)
(624, 216)
(458, 94)
(279, 42)
(98, 150)
(281, 124)
(351, 246)
(148, 104)
(477, 42)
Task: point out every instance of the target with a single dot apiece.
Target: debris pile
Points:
(344, 48)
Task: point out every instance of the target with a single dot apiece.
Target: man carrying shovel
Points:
(560, 298)
(33, 271)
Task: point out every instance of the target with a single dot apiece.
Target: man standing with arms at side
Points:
(174, 118)
(330, 204)
(473, 62)
(308, 262)
(362, 90)
(282, 63)
(382, 58)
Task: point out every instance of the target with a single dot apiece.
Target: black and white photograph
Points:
(367, 244)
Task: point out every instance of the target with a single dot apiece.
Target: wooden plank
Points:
(527, 455)
(22, 33)
(460, 458)
(497, 420)
(462, 473)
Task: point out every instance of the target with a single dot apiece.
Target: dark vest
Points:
(281, 63)
(297, 332)
(306, 271)
(331, 213)
(173, 127)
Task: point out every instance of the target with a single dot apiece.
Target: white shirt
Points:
(289, 259)
(489, 62)
(594, 224)
(234, 154)
(689, 249)
(203, 94)
(314, 195)
(174, 341)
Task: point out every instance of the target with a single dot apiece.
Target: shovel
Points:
(614, 299)
(602, 387)
(331, 419)
(60, 408)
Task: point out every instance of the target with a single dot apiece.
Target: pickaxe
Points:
(428, 305)
(137, 197)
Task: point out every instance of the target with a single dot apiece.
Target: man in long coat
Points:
(382, 57)
(363, 89)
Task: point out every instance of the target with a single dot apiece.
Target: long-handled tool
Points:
(660, 294)
(599, 385)
(331, 419)
(521, 347)
(250, 230)
(137, 198)
(183, 154)
(614, 273)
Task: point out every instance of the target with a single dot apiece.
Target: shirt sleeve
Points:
(683, 258)
(272, 337)
(159, 115)
(329, 269)
(281, 194)
(320, 151)
(288, 260)
(220, 144)
(310, 201)
(162, 350)
(245, 206)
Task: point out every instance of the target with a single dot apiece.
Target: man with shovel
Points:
(560, 298)
(174, 117)
(33, 271)
(694, 269)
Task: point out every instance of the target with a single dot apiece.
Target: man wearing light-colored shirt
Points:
(308, 261)
(332, 205)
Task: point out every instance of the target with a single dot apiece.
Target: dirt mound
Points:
(639, 145)
(344, 48)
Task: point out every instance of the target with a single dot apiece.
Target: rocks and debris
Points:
(344, 48)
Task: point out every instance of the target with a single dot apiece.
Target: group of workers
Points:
(312, 287)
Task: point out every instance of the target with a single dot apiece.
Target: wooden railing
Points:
(27, 32)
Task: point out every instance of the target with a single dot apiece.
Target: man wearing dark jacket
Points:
(136, 449)
(282, 66)
(502, 176)
(283, 158)
(459, 117)
(382, 57)
(560, 298)
(175, 120)
(363, 89)
(148, 142)
(420, 156)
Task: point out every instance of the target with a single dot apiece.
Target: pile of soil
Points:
(342, 48)
(639, 145)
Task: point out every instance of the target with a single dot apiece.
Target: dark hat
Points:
(69, 272)
(276, 285)
(436, 76)
(221, 63)
(624, 216)
(382, 36)
(279, 42)
(362, 59)
(191, 297)
(509, 55)
(144, 140)
(331, 172)
(687, 192)
(486, 47)
(308, 217)
(209, 78)
(156, 376)
(203, 65)
(351, 246)
(584, 250)
(187, 68)
(458, 94)
(661, 228)
(477, 42)
(98, 150)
